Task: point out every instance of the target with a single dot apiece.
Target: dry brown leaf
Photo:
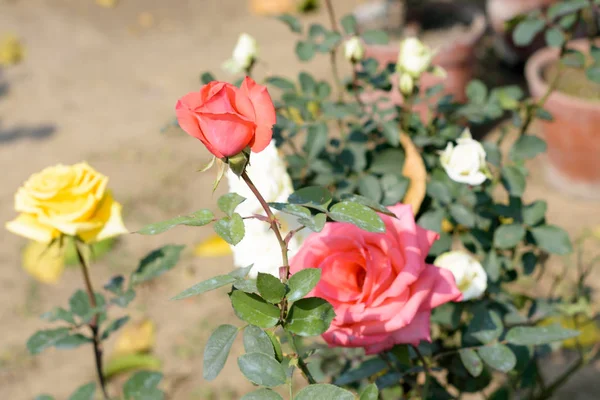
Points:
(136, 337)
(414, 169)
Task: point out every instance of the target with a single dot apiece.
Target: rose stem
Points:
(286, 268)
(94, 322)
(332, 53)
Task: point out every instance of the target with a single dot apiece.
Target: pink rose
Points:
(227, 119)
(378, 283)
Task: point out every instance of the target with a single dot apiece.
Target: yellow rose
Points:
(70, 200)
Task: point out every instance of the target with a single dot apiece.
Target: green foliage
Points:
(143, 385)
(253, 309)
(229, 202)
(527, 30)
(262, 369)
(198, 218)
(270, 288)
(532, 336)
(358, 215)
(231, 229)
(262, 394)
(257, 341)
(217, 350)
(323, 391)
(498, 356)
(85, 392)
(156, 263)
(309, 317)
(302, 282)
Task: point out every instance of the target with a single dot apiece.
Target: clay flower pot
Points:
(457, 56)
(501, 11)
(573, 137)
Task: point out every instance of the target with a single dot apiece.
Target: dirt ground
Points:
(97, 84)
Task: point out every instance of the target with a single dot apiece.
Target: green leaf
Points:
(368, 186)
(529, 261)
(72, 341)
(492, 266)
(315, 223)
(555, 37)
(302, 282)
(477, 92)
(270, 288)
(391, 132)
(439, 191)
(114, 326)
(513, 180)
(309, 317)
(156, 263)
(231, 229)
(43, 397)
(261, 369)
(84, 392)
(58, 314)
(388, 161)
(115, 284)
(198, 218)
(553, 239)
(281, 83)
(246, 285)
(471, 361)
(526, 30)
(432, 220)
(535, 212)
(573, 58)
(365, 201)
(217, 350)
(375, 37)
(305, 50)
(508, 236)
(292, 209)
(307, 83)
(593, 73)
(228, 202)
(349, 24)
(462, 215)
(316, 140)
(527, 147)
(329, 42)
(365, 370)
(323, 90)
(566, 7)
(357, 214)
(485, 326)
(79, 303)
(143, 385)
(257, 341)
(498, 356)
(206, 286)
(538, 335)
(394, 188)
(207, 77)
(292, 22)
(311, 196)
(370, 392)
(262, 394)
(254, 310)
(323, 391)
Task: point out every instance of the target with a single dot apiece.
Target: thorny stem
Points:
(333, 52)
(425, 389)
(94, 322)
(301, 364)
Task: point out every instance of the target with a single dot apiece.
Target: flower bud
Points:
(469, 275)
(414, 58)
(406, 83)
(465, 162)
(244, 55)
(354, 49)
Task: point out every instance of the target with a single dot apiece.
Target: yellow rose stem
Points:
(94, 322)
(284, 271)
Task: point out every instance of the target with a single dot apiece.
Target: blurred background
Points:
(97, 80)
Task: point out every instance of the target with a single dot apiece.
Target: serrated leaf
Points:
(198, 218)
(156, 263)
(370, 392)
(365, 201)
(471, 361)
(261, 369)
(229, 202)
(143, 385)
(553, 239)
(84, 392)
(498, 356)
(538, 335)
(309, 317)
(257, 341)
(254, 310)
(323, 391)
(312, 196)
(262, 394)
(231, 229)
(270, 288)
(302, 282)
(357, 214)
(315, 223)
(217, 350)
(114, 326)
(508, 236)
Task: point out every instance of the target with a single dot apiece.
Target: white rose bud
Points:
(354, 50)
(415, 57)
(406, 83)
(244, 54)
(469, 275)
(465, 162)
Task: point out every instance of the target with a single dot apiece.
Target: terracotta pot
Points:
(456, 57)
(573, 136)
(501, 11)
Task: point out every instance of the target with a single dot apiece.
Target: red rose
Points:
(227, 119)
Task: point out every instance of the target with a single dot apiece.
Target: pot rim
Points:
(538, 86)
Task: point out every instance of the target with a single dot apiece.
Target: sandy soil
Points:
(98, 84)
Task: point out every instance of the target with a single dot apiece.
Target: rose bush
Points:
(379, 284)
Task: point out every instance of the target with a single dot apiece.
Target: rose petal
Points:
(109, 220)
(264, 111)
(228, 134)
(28, 226)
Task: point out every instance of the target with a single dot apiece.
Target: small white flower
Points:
(465, 162)
(260, 246)
(244, 54)
(414, 58)
(469, 275)
(354, 50)
(406, 83)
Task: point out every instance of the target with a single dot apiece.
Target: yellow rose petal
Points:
(214, 246)
(28, 226)
(136, 338)
(11, 50)
(108, 217)
(44, 262)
